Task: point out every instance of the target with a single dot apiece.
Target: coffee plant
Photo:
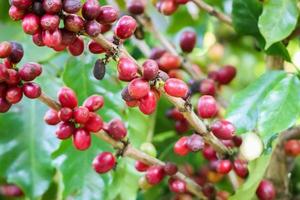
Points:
(161, 99)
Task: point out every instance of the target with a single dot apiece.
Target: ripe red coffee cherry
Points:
(207, 107)
(266, 190)
(140, 166)
(209, 153)
(7, 63)
(38, 39)
(155, 174)
(3, 89)
(65, 130)
(94, 123)
(32, 90)
(50, 22)
(67, 97)
(292, 147)
(51, 117)
(52, 6)
(77, 47)
(74, 23)
(81, 139)
(17, 52)
(223, 129)
(4, 105)
(181, 126)
(175, 114)
(81, 114)
(180, 147)
(237, 140)
(177, 186)
(4, 73)
(167, 7)
(90, 9)
(5, 49)
(127, 69)
(65, 114)
(125, 27)
(188, 41)
(52, 38)
(170, 169)
(71, 6)
(138, 88)
(226, 74)
(116, 129)
(14, 94)
(104, 162)
(29, 71)
(13, 77)
(96, 48)
(150, 69)
(176, 88)
(94, 103)
(195, 143)
(107, 15)
(148, 103)
(68, 37)
(132, 103)
(92, 28)
(135, 7)
(169, 61)
(10, 191)
(16, 13)
(156, 53)
(22, 4)
(105, 28)
(207, 87)
(240, 168)
(224, 166)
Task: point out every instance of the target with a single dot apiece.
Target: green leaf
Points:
(278, 20)
(278, 49)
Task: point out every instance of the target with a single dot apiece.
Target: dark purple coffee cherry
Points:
(71, 6)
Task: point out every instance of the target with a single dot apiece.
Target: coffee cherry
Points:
(68, 37)
(240, 168)
(209, 153)
(150, 69)
(156, 53)
(140, 166)
(77, 47)
(13, 77)
(3, 90)
(104, 162)
(60, 47)
(116, 129)
(292, 147)
(71, 6)
(81, 114)
(170, 169)
(155, 174)
(149, 149)
(38, 9)
(32, 90)
(127, 69)
(67, 97)
(132, 103)
(38, 39)
(29, 71)
(4, 105)
(180, 147)
(181, 126)
(175, 114)
(65, 130)
(251, 147)
(177, 186)
(237, 140)
(99, 69)
(50, 22)
(169, 61)
(176, 88)
(51, 117)
(17, 52)
(14, 94)
(4, 74)
(94, 103)
(52, 6)
(207, 107)
(90, 9)
(226, 74)
(22, 4)
(5, 49)
(167, 7)
(266, 190)
(188, 41)
(138, 88)
(148, 103)
(81, 139)
(7, 63)
(209, 191)
(223, 129)
(207, 87)
(135, 7)
(74, 23)
(107, 15)
(10, 190)
(195, 143)
(96, 48)
(105, 28)
(224, 166)
(125, 27)
(182, 1)
(126, 96)
(92, 28)
(16, 13)
(52, 38)
(65, 114)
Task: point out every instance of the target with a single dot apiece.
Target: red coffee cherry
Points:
(176, 88)
(127, 69)
(195, 143)
(223, 166)
(16, 13)
(5, 49)
(96, 48)
(156, 53)
(81, 139)
(138, 88)
(188, 41)
(81, 114)
(50, 22)
(17, 52)
(52, 38)
(116, 129)
(7, 63)
(104, 162)
(29, 71)
(107, 15)
(92, 28)
(177, 186)
(181, 126)
(174, 114)
(67, 97)
(223, 129)
(125, 27)
(237, 140)
(90, 9)
(13, 77)
(169, 61)
(68, 37)
(207, 87)
(10, 190)
(105, 28)
(32, 90)
(94, 103)
(14, 95)
(266, 190)
(3, 90)
(74, 23)
(167, 7)
(65, 130)
(4, 105)
(77, 47)
(150, 69)
(51, 117)
(52, 6)
(22, 4)
(292, 147)
(65, 114)
(4, 73)
(240, 168)
(180, 147)
(132, 103)
(209, 153)
(140, 166)
(226, 74)
(207, 107)
(148, 103)
(38, 39)
(155, 174)
(94, 123)
(170, 169)
(71, 6)
(135, 7)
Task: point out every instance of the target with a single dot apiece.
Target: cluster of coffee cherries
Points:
(168, 7)
(15, 82)
(292, 147)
